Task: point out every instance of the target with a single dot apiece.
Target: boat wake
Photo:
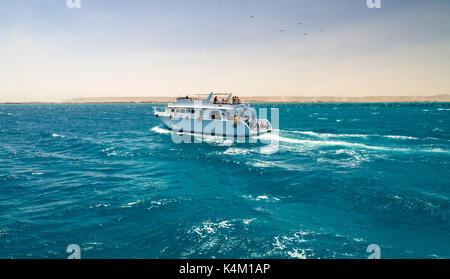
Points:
(329, 135)
(313, 143)
(322, 140)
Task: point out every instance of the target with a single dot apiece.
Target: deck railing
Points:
(159, 109)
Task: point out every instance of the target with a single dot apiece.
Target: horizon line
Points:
(255, 99)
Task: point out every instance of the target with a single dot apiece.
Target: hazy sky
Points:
(49, 52)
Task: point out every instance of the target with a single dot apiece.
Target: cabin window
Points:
(215, 115)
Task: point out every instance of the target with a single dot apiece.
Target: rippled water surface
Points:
(337, 178)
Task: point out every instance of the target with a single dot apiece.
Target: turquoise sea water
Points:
(109, 178)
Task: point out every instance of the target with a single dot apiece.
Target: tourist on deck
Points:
(236, 100)
(235, 119)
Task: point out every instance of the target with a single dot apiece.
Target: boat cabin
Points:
(216, 106)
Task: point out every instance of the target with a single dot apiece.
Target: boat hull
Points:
(210, 127)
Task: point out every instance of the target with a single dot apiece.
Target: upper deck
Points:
(212, 101)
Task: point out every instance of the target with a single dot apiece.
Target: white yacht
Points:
(217, 114)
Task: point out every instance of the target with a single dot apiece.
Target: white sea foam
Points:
(269, 149)
(209, 227)
(295, 254)
(401, 137)
(330, 135)
(352, 158)
(278, 244)
(262, 164)
(216, 140)
(248, 221)
(160, 203)
(100, 205)
(236, 151)
(160, 130)
(325, 143)
(130, 204)
(57, 135)
(261, 198)
(277, 138)
(297, 245)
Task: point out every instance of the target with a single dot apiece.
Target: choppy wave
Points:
(266, 198)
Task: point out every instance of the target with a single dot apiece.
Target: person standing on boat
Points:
(235, 100)
(235, 120)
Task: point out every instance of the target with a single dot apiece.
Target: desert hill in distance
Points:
(278, 99)
(261, 99)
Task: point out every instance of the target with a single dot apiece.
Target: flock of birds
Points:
(298, 23)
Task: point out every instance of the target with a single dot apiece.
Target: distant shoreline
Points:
(259, 99)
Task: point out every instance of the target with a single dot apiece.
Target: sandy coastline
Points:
(261, 99)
